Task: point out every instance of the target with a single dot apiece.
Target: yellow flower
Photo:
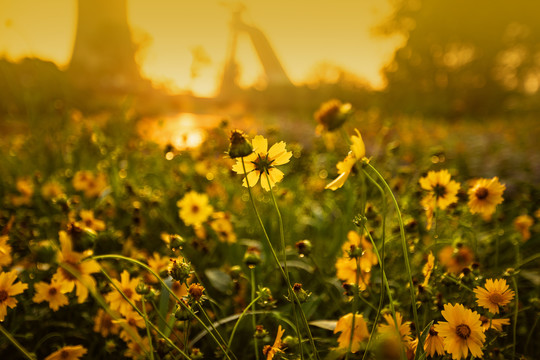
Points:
(68, 353)
(26, 189)
(52, 293)
(428, 268)
(461, 332)
(5, 251)
(358, 151)
(51, 190)
(434, 343)
(331, 115)
(428, 204)
(132, 320)
(160, 265)
(346, 271)
(456, 259)
(194, 208)
(116, 301)
(484, 196)
(83, 269)
(523, 223)
(8, 290)
(270, 351)
(390, 328)
(136, 351)
(221, 224)
(495, 294)
(368, 257)
(104, 324)
(493, 323)
(90, 222)
(344, 325)
(261, 163)
(92, 185)
(440, 187)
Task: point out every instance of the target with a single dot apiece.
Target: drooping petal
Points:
(260, 145)
(338, 182)
(358, 148)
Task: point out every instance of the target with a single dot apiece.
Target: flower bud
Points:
(290, 341)
(260, 332)
(142, 288)
(196, 291)
(239, 146)
(303, 247)
(252, 257)
(301, 294)
(181, 313)
(176, 242)
(180, 271)
(196, 354)
(332, 114)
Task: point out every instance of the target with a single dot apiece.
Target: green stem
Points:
(276, 259)
(213, 327)
(143, 305)
(252, 305)
(530, 334)
(405, 253)
(516, 309)
(17, 344)
(355, 306)
(253, 317)
(147, 268)
(451, 278)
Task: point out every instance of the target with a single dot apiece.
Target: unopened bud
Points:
(303, 247)
(196, 291)
(180, 271)
(239, 146)
(252, 257)
(142, 288)
(301, 294)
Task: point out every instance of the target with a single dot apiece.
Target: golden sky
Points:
(303, 33)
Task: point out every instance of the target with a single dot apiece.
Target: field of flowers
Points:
(378, 239)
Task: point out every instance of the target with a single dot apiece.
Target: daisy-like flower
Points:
(73, 260)
(8, 290)
(496, 293)
(133, 321)
(90, 222)
(456, 259)
(368, 257)
(261, 163)
(194, 208)
(51, 190)
(221, 224)
(116, 301)
(462, 332)
(53, 293)
(493, 323)
(270, 351)
(484, 196)
(360, 333)
(523, 224)
(358, 151)
(331, 115)
(346, 271)
(390, 328)
(434, 343)
(5, 251)
(160, 265)
(104, 324)
(428, 268)
(68, 353)
(440, 187)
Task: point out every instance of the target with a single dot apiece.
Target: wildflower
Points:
(358, 151)
(495, 294)
(523, 223)
(331, 115)
(194, 208)
(53, 293)
(390, 328)
(428, 268)
(496, 324)
(127, 286)
(360, 333)
(434, 343)
(82, 269)
(88, 221)
(261, 164)
(440, 187)
(428, 204)
(26, 189)
(239, 146)
(51, 190)
(159, 264)
(461, 332)
(196, 291)
(221, 224)
(104, 324)
(68, 353)
(5, 251)
(138, 349)
(368, 257)
(92, 185)
(8, 290)
(346, 271)
(456, 259)
(271, 351)
(131, 320)
(484, 196)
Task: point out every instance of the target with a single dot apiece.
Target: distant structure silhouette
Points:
(274, 73)
(104, 53)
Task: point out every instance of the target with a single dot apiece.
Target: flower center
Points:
(262, 164)
(128, 293)
(64, 354)
(53, 291)
(195, 209)
(495, 298)
(3, 295)
(432, 331)
(481, 193)
(439, 190)
(463, 331)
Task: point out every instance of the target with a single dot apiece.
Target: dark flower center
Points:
(432, 331)
(481, 193)
(3, 295)
(439, 190)
(53, 291)
(128, 293)
(495, 298)
(262, 164)
(195, 209)
(463, 331)
(64, 354)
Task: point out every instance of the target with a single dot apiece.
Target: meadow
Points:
(427, 230)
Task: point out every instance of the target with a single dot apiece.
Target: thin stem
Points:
(276, 259)
(253, 317)
(252, 305)
(17, 344)
(516, 309)
(451, 278)
(530, 334)
(405, 253)
(355, 306)
(212, 325)
(143, 305)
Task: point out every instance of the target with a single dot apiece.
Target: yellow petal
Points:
(260, 145)
(358, 148)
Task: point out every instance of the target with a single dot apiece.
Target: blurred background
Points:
(170, 66)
